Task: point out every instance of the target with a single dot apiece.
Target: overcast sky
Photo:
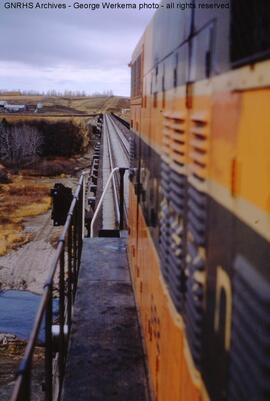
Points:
(68, 49)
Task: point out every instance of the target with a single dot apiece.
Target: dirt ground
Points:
(27, 267)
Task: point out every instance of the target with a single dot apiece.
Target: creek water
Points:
(17, 312)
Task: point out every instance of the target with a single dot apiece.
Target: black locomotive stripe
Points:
(195, 234)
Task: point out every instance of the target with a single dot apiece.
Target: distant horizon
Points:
(55, 93)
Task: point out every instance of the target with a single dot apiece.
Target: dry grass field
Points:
(66, 106)
(24, 197)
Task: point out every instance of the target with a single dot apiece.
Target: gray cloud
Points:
(88, 48)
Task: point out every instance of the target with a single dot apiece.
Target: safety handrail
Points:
(64, 272)
(122, 171)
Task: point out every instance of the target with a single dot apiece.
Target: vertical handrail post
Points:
(121, 197)
(83, 200)
(48, 346)
(75, 249)
(26, 392)
(80, 224)
(70, 277)
(61, 315)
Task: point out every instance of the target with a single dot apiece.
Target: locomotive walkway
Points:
(106, 359)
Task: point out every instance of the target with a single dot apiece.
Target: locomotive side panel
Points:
(202, 197)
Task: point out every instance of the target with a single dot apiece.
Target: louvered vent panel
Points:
(132, 156)
(249, 376)
(177, 190)
(198, 146)
(164, 236)
(166, 143)
(173, 187)
(196, 228)
(165, 178)
(195, 270)
(197, 216)
(176, 260)
(175, 139)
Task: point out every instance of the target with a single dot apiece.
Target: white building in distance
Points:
(14, 108)
(3, 103)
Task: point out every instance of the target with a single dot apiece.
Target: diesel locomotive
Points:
(199, 203)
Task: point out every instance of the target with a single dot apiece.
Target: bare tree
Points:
(106, 93)
(19, 144)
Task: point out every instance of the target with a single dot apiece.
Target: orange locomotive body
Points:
(199, 244)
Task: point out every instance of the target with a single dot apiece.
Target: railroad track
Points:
(121, 134)
(111, 164)
(117, 146)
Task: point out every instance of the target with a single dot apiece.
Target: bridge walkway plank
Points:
(106, 359)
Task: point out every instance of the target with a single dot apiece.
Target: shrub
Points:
(19, 144)
(60, 138)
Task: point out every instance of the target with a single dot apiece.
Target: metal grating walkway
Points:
(106, 360)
